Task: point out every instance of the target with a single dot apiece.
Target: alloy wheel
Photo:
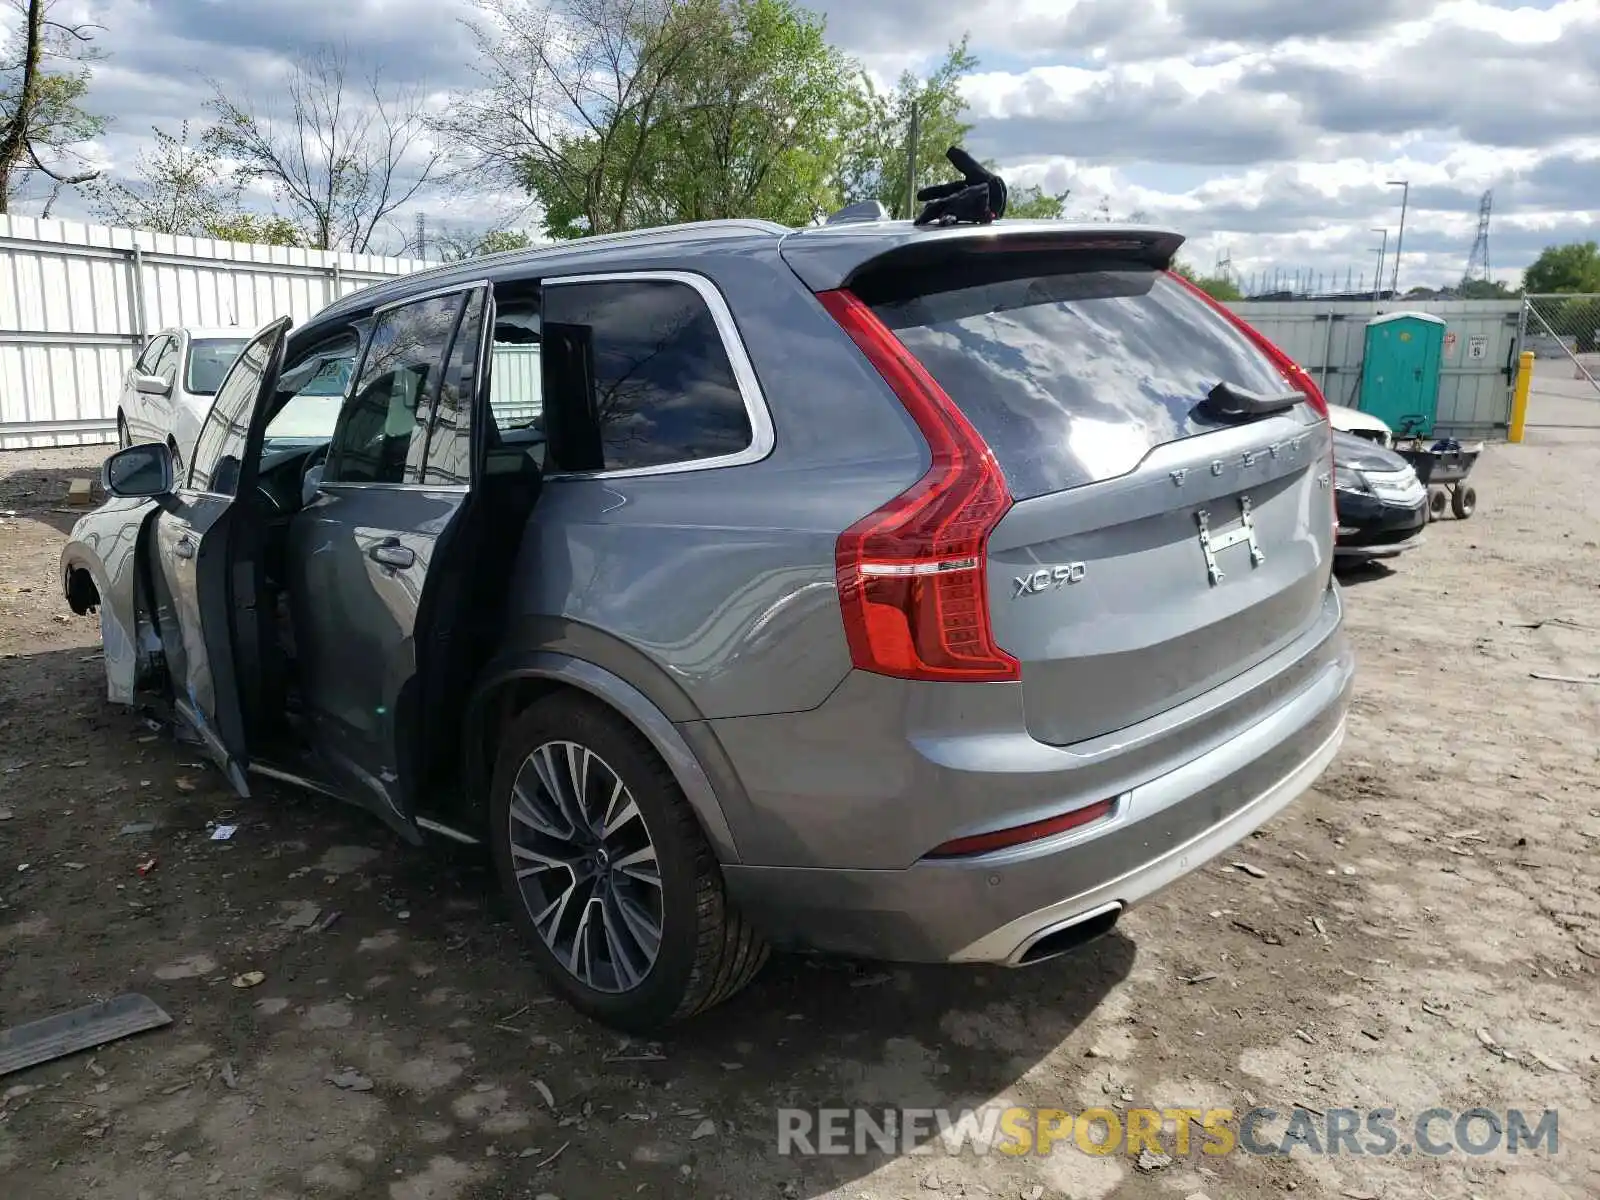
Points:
(586, 867)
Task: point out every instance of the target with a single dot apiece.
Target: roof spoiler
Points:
(834, 256)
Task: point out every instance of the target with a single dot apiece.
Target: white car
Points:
(1362, 425)
(167, 392)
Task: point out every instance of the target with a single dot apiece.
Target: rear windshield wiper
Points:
(1235, 403)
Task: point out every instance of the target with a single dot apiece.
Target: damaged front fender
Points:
(101, 572)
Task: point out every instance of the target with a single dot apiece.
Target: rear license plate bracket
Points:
(1213, 542)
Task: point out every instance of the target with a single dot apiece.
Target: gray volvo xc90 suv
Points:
(929, 594)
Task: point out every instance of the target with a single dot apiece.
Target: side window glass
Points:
(636, 375)
(449, 460)
(219, 450)
(382, 432)
(166, 364)
(516, 384)
(311, 392)
(146, 364)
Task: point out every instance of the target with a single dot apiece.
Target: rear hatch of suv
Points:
(1162, 536)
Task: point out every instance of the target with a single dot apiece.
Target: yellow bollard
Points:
(1519, 397)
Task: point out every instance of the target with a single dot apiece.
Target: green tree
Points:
(453, 247)
(498, 241)
(184, 188)
(1484, 289)
(264, 229)
(1574, 267)
(1036, 203)
(752, 120)
(877, 131)
(574, 98)
(1218, 287)
(41, 119)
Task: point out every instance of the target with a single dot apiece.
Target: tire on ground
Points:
(708, 950)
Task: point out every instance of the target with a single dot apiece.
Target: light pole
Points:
(1383, 250)
(1400, 238)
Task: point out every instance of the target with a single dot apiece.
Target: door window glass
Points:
(152, 351)
(383, 429)
(311, 392)
(449, 459)
(516, 387)
(636, 375)
(166, 364)
(219, 451)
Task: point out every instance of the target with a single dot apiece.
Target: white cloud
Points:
(1266, 128)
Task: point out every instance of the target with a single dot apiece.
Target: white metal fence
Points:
(77, 301)
(1481, 344)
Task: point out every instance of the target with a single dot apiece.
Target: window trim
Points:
(359, 363)
(762, 436)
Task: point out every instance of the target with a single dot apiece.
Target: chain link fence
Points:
(1563, 331)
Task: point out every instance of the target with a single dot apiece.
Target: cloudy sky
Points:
(1263, 129)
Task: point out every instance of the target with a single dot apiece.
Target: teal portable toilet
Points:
(1400, 373)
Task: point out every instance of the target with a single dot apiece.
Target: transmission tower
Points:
(1478, 260)
(421, 237)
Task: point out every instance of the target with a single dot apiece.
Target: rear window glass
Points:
(1074, 377)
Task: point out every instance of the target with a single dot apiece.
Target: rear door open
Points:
(1165, 535)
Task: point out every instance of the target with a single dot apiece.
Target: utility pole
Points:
(911, 163)
(1400, 238)
(1383, 249)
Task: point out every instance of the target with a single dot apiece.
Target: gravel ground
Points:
(1423, 929)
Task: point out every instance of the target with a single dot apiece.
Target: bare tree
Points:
(181, 187)
(174, 187)
(344, 156)
(573, 94)
(40, 119)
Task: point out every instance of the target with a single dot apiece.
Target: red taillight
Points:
(912, 577)
(1299, 378)
(1000, 839)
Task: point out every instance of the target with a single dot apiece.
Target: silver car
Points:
(929, 593)
(167, 392)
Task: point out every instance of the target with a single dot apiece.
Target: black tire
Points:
(1438, 501)
(1463, 502)
(707, 951)
(123, 438)
(178, 478)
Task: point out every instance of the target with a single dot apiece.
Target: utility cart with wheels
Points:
(1443, 468)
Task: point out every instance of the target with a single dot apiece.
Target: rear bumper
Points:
(992, 908)
(1012, 941)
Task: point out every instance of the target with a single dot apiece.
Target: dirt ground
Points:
(1424, 930)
